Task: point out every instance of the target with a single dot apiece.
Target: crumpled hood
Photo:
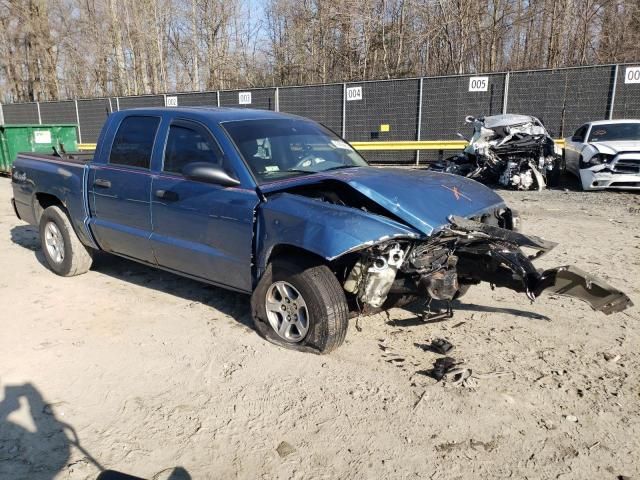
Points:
(614, 147)
(422, 199)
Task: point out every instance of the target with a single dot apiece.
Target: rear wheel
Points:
(64, 252)
(301, 306)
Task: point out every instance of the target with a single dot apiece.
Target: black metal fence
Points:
(429, 108)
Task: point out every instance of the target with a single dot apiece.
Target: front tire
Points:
(300, 306)
(64, 252)
(553, 176)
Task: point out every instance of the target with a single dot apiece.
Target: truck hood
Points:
(614, 147)
(422, 199)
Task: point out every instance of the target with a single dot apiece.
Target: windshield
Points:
(283, 148)
(614, 131)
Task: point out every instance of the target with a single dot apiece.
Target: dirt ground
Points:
(148, 373)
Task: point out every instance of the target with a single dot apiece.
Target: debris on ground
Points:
(610, 357)
(441, 346)
(442, 366)
(452, 373)
(285, 449)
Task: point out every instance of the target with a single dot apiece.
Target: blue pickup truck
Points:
(280, 207)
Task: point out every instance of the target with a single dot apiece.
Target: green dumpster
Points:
(34, 138)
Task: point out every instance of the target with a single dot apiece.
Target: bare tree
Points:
(53, 49)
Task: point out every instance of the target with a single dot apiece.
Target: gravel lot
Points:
(141, 371)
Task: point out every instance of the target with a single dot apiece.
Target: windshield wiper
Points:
(339, 167)
(299, 170)
(284, 172)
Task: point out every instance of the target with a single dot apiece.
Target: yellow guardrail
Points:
(421, 145)
(411, 145)
(400, 145)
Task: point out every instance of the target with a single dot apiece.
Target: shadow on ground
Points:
(233, 304)
(418, 308)
(36, 444)
(39, 453)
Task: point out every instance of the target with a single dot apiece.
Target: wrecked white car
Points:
(605, 154)
(514, 151)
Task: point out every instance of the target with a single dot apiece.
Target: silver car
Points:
(605, 154)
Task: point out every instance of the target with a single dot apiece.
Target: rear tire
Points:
(64, 252)
(318, 289)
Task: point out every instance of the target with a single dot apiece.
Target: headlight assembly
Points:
(597, 159)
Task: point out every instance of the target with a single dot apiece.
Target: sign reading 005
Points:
(478, 84)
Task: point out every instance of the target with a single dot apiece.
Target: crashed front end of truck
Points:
(463, 254)
(392, 236)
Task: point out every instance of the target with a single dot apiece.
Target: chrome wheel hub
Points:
(54, 242)
(287, 312)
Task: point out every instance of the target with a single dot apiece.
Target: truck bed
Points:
(38, 176)
(80, 158)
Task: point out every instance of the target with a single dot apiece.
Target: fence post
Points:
(39, 116)
(419, 119)
(344, 110)
(1, 115)
(277, 99)
(218, 98)
(613, 92)
(75, 101)
(118, 103)
(110, 106)
(505, 98)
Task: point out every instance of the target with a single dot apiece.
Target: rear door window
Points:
(189, 142)
(133, 143)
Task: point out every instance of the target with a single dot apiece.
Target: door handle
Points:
(99, 182)
(167, 195)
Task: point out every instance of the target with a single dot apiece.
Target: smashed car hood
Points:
(614, 147)
(422, 199)
(494, 121)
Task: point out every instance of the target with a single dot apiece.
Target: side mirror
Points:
(209, 173)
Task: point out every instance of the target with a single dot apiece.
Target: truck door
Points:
(201, 229)
(120, 190)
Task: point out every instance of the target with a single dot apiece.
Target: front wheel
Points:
(553, 175)
(64, 252)
(300, 306)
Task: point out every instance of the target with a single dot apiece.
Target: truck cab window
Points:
(189, 142)
(133, 143)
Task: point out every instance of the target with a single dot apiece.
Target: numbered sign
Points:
(244, 98)
(170, 101)
(632, 75)
(354, 93)
(478, 84)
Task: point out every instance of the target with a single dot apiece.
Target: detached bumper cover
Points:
(574, 282)
(505, 265)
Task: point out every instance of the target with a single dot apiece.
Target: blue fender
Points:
(322, 228)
